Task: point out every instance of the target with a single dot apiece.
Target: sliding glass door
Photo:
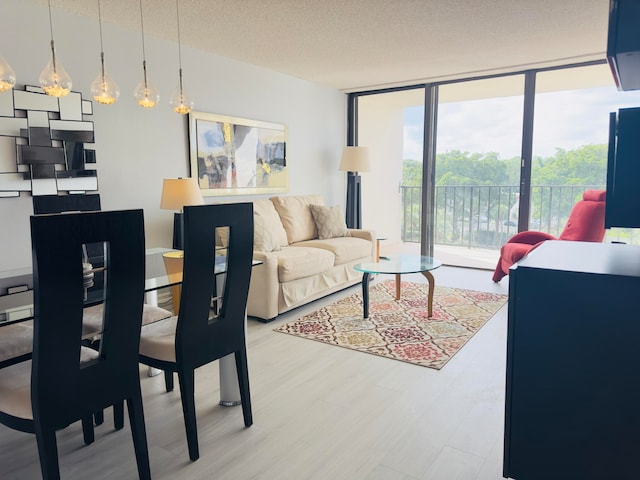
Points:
(391, 126)
(570, 143)
(477, 170)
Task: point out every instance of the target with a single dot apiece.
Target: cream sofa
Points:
(299, 263)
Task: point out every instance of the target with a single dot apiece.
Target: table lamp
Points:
(176, 193)
(354, 160)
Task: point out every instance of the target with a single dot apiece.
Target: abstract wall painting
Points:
(237, 156)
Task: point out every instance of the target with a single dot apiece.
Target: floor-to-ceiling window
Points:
(543, 132)
(392, 129)
(570, 142)
(478, 145)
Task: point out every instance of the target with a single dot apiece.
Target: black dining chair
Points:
(93, 258)
(65, 381)
(16, 340)
(198, 335)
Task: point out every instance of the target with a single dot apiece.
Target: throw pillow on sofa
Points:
(329, 221)
(268, 233)
(263, 238)
(296, 216)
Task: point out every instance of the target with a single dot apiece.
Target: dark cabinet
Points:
(623, 43)
(573, 363)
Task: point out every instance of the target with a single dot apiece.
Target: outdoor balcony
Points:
(473, 222)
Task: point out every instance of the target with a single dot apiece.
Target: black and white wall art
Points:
(46, 144)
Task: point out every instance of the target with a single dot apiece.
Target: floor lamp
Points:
(354, 160)
(176, 193)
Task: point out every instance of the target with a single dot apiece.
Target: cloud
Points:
(566, 120)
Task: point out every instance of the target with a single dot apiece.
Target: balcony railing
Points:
(486, 216)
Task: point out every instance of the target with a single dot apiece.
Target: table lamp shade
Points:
(355, 159)
(178, 192)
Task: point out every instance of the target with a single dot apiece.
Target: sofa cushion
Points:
(300, 262)
(329, 221)
(268, 233)
(345, 249)
(296, 216)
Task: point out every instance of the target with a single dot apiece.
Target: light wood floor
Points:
(320, 412)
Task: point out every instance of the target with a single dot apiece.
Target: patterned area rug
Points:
(401, 329)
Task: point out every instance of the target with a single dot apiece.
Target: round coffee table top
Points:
(400, 264)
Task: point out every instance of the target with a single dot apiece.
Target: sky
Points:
(567, 120)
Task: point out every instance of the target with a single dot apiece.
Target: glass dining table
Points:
(163, 269)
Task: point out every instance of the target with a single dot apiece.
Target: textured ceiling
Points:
(362, 44)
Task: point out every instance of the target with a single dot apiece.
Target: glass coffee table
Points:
(397, 266)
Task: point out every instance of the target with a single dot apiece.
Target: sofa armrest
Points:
(530, 237)
(366, 235)
(264, 286)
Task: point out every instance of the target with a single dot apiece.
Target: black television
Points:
(623, 170)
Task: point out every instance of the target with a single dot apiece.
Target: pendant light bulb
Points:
(7, 76)
(180, 103)
(54, 79)
(145, 93)
(103, 89)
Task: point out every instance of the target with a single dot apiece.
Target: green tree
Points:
(411, 173)
(464, 203)
(464, 168)
(586, 165)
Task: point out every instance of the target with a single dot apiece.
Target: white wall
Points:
(137, 148)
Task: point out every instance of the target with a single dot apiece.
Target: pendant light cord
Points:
(100, 26)
(101, 45)
(53, 48)
(50, 21)
(144, 56)
(179, 43)
(179, 49)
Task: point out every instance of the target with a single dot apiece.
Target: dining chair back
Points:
(201, 334)
(225, 333)
(16, 340)
(69, 382)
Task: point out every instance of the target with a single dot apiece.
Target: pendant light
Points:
(7, 76)
(103, 89)
(54, 80)
(179, 101)
(146, 94)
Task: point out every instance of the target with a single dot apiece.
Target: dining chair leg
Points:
(98, 417)
(243, 383)
(139, 434)
(168, 380)
(87, 430)
(118, 415)
(48, 452)
(186, 379)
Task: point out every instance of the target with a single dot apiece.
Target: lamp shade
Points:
(178, 192)
(355, 159)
